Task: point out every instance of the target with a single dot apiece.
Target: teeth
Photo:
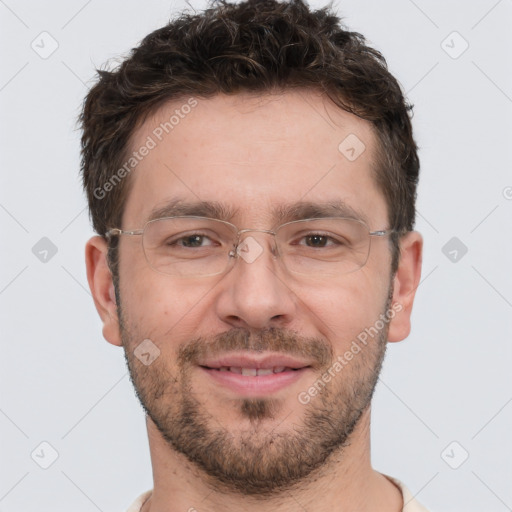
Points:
(253, 372)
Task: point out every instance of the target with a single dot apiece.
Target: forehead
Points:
(253, 156)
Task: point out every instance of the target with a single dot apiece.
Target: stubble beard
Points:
(262, 459)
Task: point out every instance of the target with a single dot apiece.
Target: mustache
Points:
(273, 339)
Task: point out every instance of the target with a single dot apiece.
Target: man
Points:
(251, 174)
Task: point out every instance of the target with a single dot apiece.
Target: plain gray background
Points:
(445, 393)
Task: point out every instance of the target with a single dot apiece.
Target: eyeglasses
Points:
(200, 247)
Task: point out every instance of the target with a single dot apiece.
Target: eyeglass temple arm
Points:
(384, 232)
(116, 232)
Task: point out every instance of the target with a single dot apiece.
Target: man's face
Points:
(249, 432)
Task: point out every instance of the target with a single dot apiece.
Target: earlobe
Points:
(406, 281)
(102, 288)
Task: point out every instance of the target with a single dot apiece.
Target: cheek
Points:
(342, 311)
(166, 310)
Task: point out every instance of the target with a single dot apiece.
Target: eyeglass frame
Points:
(233, 253)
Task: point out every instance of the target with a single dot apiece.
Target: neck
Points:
(345, 482)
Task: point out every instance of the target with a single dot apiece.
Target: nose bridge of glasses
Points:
(250, 230)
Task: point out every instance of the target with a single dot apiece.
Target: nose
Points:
(254, 293)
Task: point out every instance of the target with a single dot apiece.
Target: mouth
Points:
(254, 372)
(255, 376)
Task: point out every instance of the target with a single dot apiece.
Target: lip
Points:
(259, 385)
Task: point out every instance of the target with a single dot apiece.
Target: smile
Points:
(254, 372)
(253, 375)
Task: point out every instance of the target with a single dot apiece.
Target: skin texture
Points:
(212, 448)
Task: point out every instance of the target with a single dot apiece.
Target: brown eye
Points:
(191, 241)
(316, 240)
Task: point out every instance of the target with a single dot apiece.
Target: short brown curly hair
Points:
(253, 46)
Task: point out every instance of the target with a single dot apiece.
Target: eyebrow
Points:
(178, 207)
(280, 214)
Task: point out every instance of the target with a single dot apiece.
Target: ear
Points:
(406, 281)
(102, 288)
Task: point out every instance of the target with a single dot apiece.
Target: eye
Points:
(191, 241)
(317, 240)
